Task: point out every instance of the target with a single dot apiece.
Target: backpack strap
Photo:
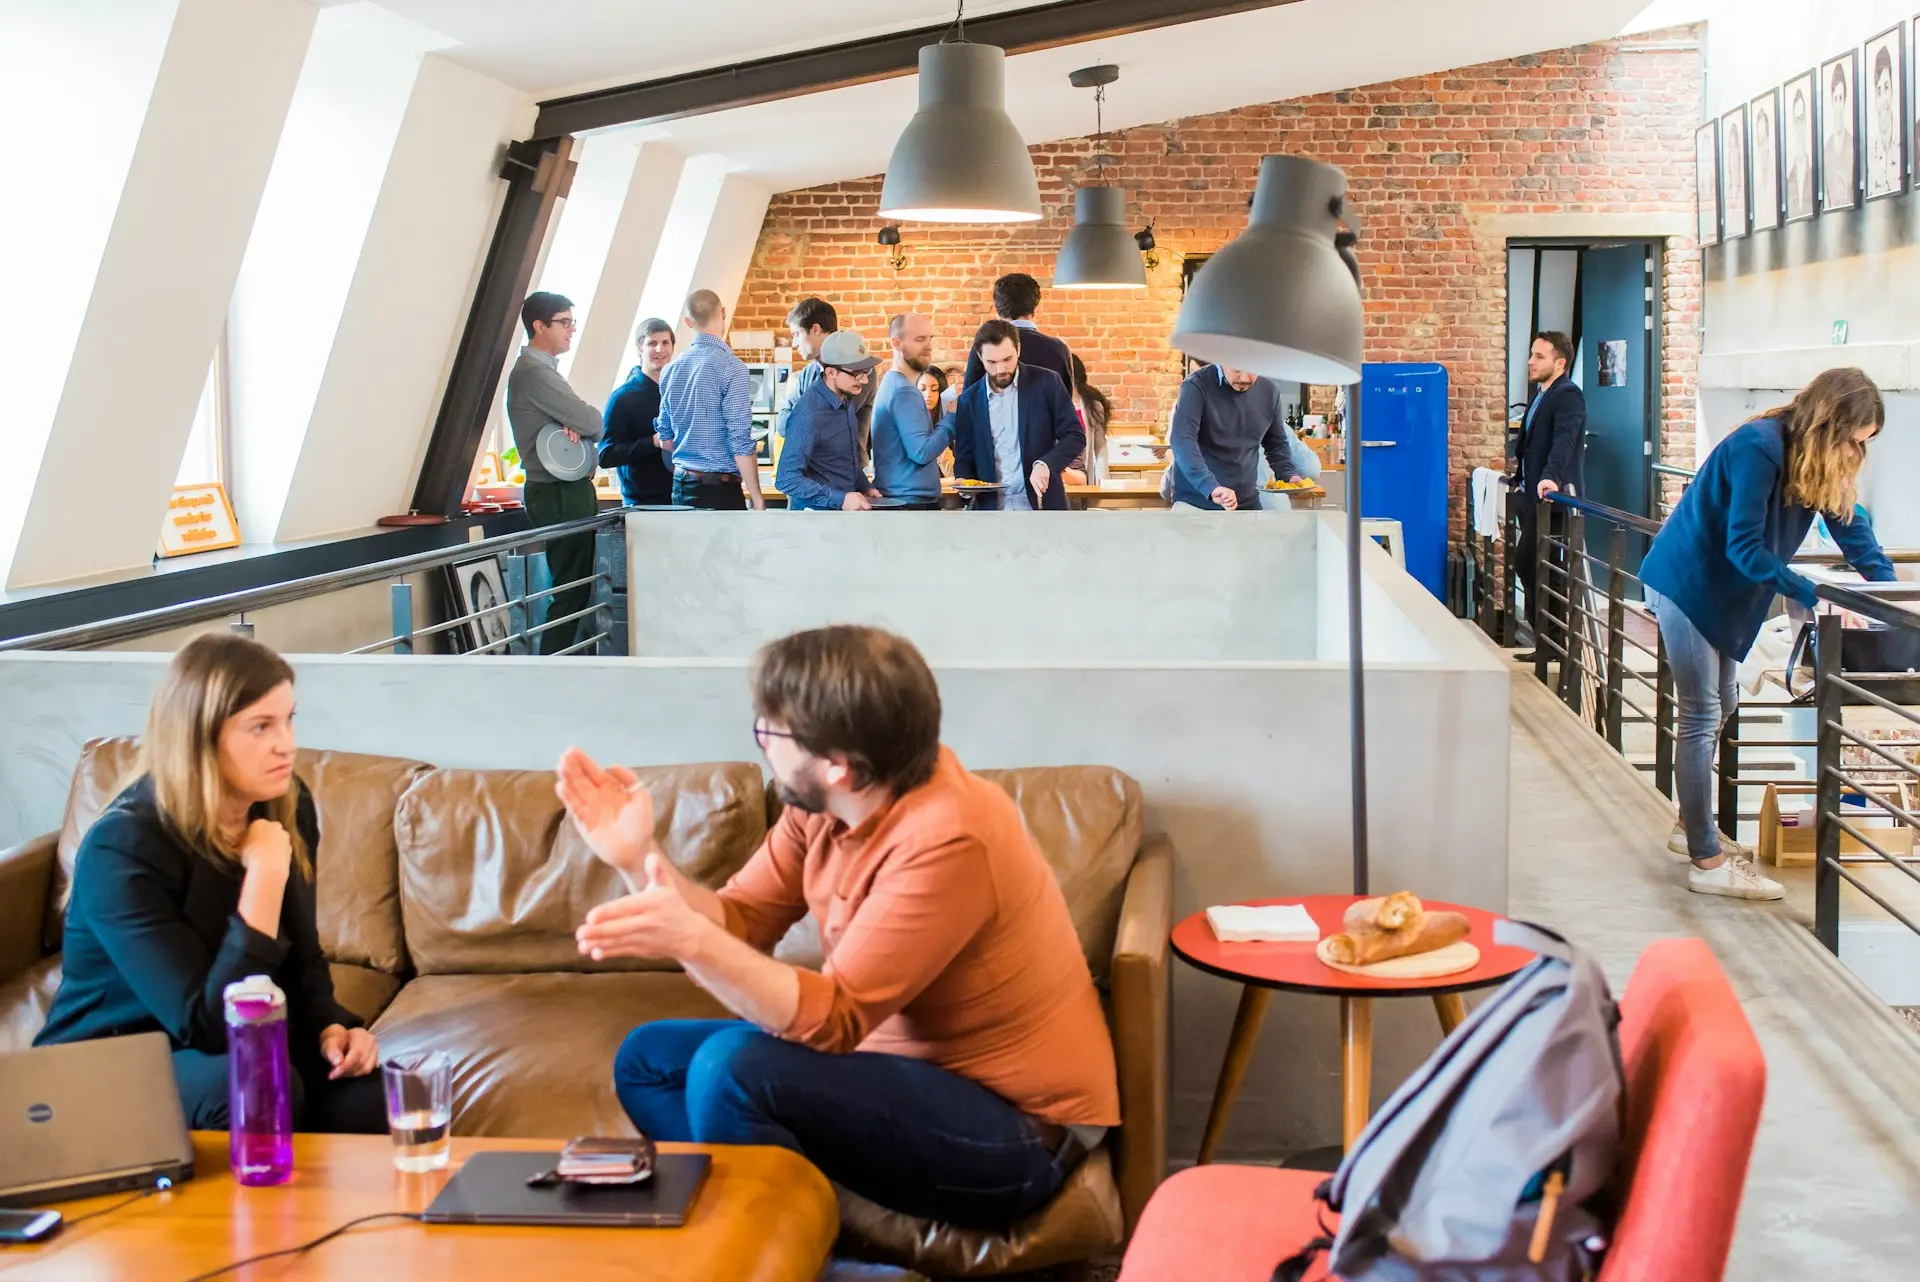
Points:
(1535, 938)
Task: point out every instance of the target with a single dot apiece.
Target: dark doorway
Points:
(1606, 296)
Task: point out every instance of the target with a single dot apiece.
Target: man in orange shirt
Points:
(950, 1059)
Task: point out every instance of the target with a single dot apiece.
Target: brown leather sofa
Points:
(448, 900)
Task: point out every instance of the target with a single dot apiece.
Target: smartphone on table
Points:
(27, 1226)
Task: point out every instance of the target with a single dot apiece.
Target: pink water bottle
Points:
(259, 1083)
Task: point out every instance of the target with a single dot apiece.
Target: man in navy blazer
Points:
(1016, 421)
(1552, 444)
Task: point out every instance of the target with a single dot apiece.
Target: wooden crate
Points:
(1793, 846)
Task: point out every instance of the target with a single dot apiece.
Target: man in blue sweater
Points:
(907, 443)
(820, 460)
(1223, 422)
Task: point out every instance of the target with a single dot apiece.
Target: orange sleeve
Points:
(768, 894)
(917, 916)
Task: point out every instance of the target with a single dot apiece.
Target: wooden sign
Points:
(199, 519)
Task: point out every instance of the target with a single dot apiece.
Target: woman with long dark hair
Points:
(1096, 411)
(201, 873)
(1719, 561)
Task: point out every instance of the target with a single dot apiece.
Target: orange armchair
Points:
(1695, 1081)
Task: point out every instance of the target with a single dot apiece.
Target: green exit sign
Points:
(1839, 333)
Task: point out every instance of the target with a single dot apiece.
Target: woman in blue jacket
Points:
(1721, 558)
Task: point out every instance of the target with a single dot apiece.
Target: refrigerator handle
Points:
(1376, 445)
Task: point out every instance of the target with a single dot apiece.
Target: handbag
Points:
(1877, 648)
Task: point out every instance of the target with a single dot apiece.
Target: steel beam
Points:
(859, 61)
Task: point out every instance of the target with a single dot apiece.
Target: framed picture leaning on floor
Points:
(1706, 178)
(1733, 172)
(1885, 67)
(1763, 138)
(479, 586)
(1840, 132)
(1798, 98)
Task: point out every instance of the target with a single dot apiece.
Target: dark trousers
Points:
(906, 1134)
(1526, 551)
(350, 1106)
(715, 496)
(569, 558)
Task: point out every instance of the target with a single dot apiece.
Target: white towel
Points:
(1274, 923)
(1489, 502)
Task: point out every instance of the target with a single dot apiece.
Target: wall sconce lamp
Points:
(890, 237)
(1144, 239)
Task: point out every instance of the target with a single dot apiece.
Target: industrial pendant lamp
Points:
(1283, 299)
(1099, 253)
(960, 160)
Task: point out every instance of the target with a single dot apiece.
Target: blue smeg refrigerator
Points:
(1403, 429)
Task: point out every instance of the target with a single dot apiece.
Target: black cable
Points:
(109, 1210)
(304, 1247)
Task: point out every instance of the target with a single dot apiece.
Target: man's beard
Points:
(918, 364)
(999, 382)
(803, 793)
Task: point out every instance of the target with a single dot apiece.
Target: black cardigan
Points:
(153, 938)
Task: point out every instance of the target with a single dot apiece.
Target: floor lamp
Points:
(1283, 299)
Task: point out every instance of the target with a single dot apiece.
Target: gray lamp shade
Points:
(960, 160)
(1279, 299)
(1100, 253)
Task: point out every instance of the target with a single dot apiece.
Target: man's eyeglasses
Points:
(761, 734)
(568, 321)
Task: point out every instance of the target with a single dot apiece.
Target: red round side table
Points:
(1262, 967)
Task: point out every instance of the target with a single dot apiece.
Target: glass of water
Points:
(420, 1109)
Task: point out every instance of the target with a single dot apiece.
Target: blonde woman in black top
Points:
(201, 873)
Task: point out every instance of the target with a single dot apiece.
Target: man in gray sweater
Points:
(1223, 422)
(541, 401)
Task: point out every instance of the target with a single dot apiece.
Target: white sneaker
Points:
(1737, 878)
(1677, 845)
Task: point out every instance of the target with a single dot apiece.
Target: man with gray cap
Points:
(820, 460)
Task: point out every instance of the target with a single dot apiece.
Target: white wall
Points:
(407, 306)
(1042, 586)
(290, 302)
(603, 351)
(98, 59)
(159, 294)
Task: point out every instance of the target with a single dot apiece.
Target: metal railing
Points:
(1834, 690)
(521, 556)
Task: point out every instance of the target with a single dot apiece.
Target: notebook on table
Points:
(492, 1188)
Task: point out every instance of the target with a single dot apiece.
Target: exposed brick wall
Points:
(1604, 128)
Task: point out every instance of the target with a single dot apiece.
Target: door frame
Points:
(1656, 249)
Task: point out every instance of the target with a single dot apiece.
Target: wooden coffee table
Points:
(764, 1215)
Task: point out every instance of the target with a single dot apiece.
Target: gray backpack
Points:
(1492, 1162)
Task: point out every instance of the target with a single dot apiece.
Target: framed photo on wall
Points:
(1763, 137)
(1733, 172)
(1706, 178)
(1840, 131)
(1885, 66)
(1798, 99)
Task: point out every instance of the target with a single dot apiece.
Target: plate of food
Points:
(972, 485)
(1302, 484)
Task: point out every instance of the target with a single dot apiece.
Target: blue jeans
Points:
(1705, 689)
(906, 1134)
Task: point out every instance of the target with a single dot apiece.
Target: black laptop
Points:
(493, 1188)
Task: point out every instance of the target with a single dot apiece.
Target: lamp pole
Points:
(1356, 649)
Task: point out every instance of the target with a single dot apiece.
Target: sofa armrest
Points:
(1138, 988)
(26, 879)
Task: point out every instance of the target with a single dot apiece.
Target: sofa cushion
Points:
(1087, 822)
(533, 1054)
(494, 878)
(354, 794)
(24, 1002)
(362, 990)
(1082, 1220)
